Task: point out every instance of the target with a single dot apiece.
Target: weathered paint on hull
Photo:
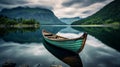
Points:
(72, 45)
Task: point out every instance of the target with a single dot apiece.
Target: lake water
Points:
(27, 47)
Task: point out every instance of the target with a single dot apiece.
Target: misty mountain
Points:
(42, 15)
(110, 14)
(69, 20)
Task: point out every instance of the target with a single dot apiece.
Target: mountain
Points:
(42, 15)
(69, 20)
(110, 14)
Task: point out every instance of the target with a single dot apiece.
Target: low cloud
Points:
(13, 2)
(61, 8)
(82, 3)
(86, 12)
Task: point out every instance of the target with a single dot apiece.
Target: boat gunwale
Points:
(83, 44)
(66, 39)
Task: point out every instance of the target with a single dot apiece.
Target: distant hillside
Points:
(6, 21)
(69, 20)
(44, 16)
(110, 14)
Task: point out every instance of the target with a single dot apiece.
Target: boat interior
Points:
(53, 36)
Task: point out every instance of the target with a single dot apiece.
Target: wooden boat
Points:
(70, 58)
(74, 45)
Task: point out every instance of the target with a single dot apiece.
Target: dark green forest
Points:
(6, 21)
(110, 14)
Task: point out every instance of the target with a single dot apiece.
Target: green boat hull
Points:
(72, 45)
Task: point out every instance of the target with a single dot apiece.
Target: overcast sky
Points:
(61, 8)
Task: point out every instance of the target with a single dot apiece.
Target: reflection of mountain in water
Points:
(109, 36)
(7, 30)
(69, 30)
(28, 36)
(70, 58)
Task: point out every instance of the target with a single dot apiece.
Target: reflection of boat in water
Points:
(74, 45)
(68, 57)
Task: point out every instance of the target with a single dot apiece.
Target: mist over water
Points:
(95, 53)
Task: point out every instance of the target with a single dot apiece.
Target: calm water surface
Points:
(26, 47)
